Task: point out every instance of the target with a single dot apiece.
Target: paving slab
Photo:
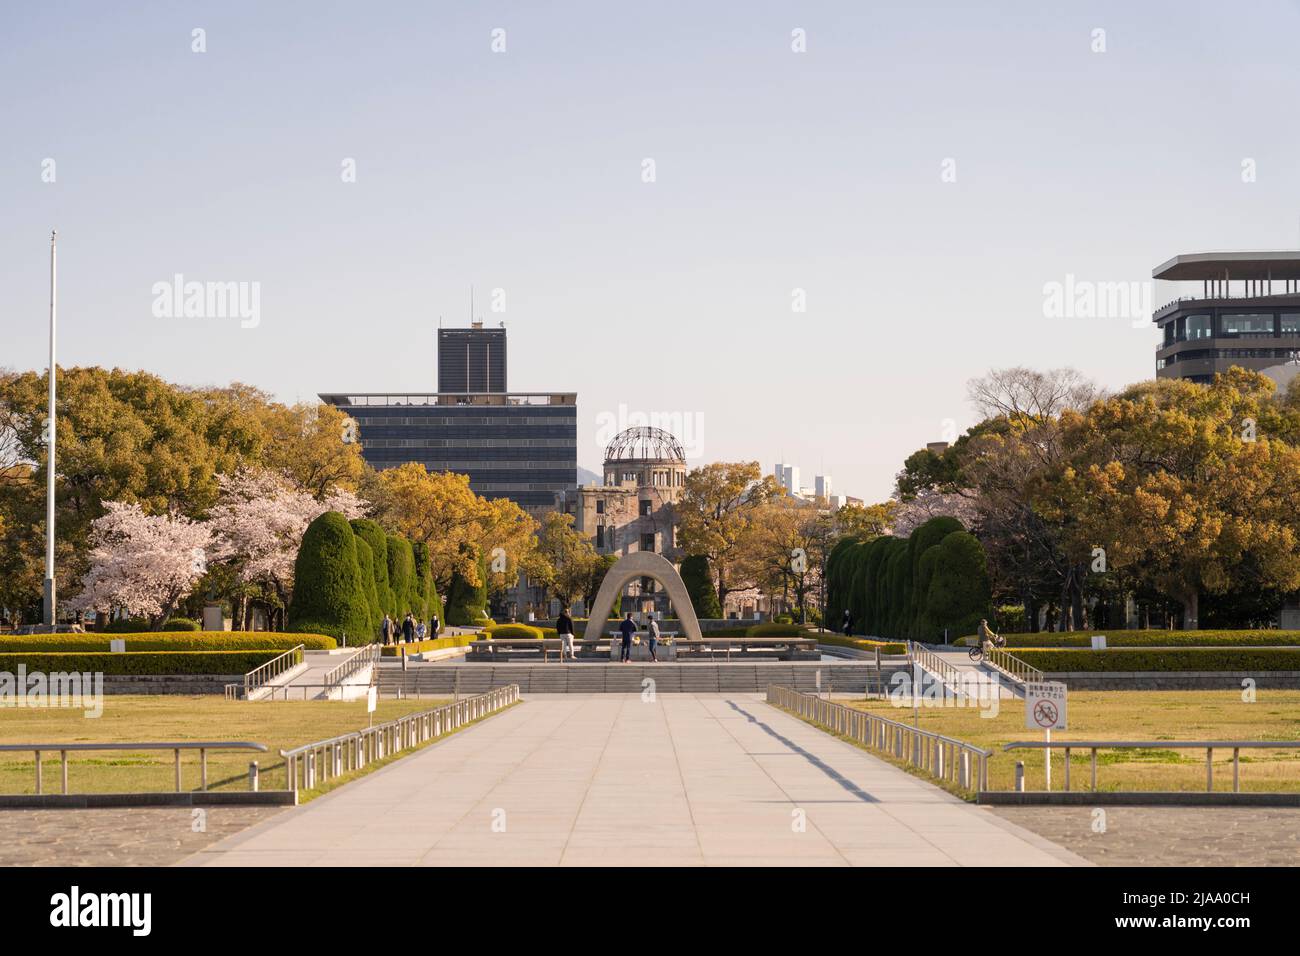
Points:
(612, 779)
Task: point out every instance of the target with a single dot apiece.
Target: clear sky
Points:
(775, 171)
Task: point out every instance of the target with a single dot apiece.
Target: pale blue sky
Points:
(522, 171)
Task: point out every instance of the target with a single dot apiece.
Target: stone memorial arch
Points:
(641, 564)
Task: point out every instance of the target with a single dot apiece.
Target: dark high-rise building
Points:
(472, 360)
(1248, 314)
(522, 446)
(518, 446)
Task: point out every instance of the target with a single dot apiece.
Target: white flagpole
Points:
(50, 603)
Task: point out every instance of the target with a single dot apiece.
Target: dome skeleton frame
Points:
(644, 443)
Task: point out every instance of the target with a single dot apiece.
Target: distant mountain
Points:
(586, 477)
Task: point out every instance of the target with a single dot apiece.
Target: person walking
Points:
(627, 629)
(434, 625)
(564, 628)
(419, 629)
(386, 628)
(848, 623)
(408, 628)
(654, 640)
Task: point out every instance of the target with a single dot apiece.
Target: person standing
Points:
(627, 629)
(419, 629)
(434, 625)
(408, 628)
(564, 628)
(654, 640)
(386, 628)
(848, 623)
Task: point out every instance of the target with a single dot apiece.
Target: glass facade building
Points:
(518, 446)
(1247, 314)
(471, 360)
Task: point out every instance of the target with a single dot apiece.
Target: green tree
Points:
(958, 594)
(717, 504)
(377, 539)
(698, 578)
(328, 597)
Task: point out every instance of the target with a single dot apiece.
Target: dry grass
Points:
(1133, 715)
(277, 724)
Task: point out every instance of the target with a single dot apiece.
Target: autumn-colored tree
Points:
(1175, 482)
(718, 502)
(563, 560)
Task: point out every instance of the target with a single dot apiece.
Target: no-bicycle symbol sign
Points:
(1045, 705)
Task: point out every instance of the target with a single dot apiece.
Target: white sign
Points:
(372, 699)
(1099, 642)
(1045, 705)
(117, 645)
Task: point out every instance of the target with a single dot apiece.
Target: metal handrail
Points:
(1210, 746)
(202, 746)
(948, 674)
(1013, 666)
(259, 676)
(368, 656)
(944, 758)
(317, 762)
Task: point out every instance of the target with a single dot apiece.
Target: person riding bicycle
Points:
(988, 639)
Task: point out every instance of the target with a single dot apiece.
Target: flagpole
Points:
(50, 602)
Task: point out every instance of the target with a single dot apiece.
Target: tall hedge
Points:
(427, 586)
(698, 578)
(466, 603)
(959, 593)
(912, 587)
(375, 537)
(328, 597)
(401, 574)
(366, 565)
(926, 536)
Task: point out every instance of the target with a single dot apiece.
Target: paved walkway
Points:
(609, 779)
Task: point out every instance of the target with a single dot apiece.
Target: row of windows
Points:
(464, 466)
(1189, 328)
(469, 443)
(558, 417)
(1198, 355)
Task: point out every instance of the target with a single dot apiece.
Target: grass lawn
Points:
(277, 724)
(1132, 715)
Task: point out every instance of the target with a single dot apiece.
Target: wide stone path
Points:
(614, 780)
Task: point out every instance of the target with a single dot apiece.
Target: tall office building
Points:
(472, 360)
(822, 486)
(1248, 314)
(790, 479)
(522, 446)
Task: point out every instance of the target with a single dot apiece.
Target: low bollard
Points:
(253, 781)
(1020, 776)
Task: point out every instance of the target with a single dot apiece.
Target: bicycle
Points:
(977, 653)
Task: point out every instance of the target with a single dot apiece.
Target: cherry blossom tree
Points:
(142, 564)
(258, 524)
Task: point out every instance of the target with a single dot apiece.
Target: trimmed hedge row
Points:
(861, 643)
(161, 641)
(776, 630)
(512, 631)
(934, 581)
(1188, 659)
(141, 662)
(429, 644)
(1158, 638)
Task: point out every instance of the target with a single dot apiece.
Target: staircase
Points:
(441, 680)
